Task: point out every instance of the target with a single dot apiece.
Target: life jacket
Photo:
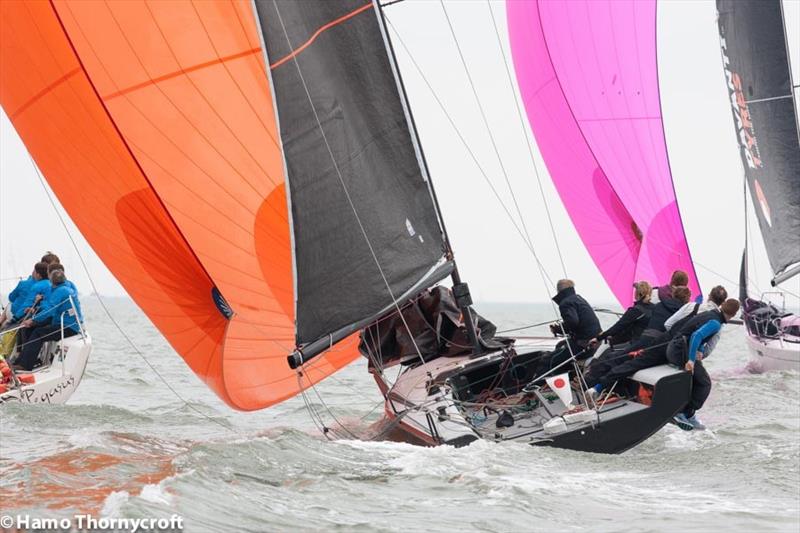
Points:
(680, 323)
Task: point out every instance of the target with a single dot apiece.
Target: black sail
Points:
(365, 228)
(758, 75)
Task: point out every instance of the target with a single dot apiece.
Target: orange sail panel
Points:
(153, 123)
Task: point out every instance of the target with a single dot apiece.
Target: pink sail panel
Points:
(588, 75)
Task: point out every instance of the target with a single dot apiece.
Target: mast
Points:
(460, 288)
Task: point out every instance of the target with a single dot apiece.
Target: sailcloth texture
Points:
(588, 76)
(155, 124)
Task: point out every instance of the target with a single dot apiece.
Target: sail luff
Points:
(412, 124)
(792, 85)
(366, 228)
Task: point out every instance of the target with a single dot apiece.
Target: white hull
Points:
(56, 382)
(767, 354)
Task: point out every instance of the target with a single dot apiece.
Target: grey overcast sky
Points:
(491, 255)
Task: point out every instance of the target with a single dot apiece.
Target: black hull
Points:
(617, 435)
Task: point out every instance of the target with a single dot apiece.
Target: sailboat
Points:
(755, 57)
(252, 175)
(62, 364)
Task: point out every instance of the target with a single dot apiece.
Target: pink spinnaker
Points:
(588, 75)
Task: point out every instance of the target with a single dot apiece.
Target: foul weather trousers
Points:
(677, 354)
(654, 354)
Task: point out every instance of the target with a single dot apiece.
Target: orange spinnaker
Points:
(153, 123)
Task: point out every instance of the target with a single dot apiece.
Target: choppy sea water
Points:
(125, 446)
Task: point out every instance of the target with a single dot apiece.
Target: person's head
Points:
(718, 295)
(643, 291)
(679, 279)
(50, 257)
(564, 284)
(39, 271)
(52, 267)
(682, 294)
(57, 277)
(729, 308)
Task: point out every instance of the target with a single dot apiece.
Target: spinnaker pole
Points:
(460, 288)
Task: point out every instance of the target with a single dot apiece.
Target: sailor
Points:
(715, 299)
(650, 346)
(689, 347)
(628, 328)
(37, 291)
(17, 296)
(661, 312)
(632, 323)
(679, 278)
(47, 324)
(50, 258)
(58, 266)
(578, 322)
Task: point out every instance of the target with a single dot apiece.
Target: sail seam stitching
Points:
(182, 71)
(43, 92)
(125, 142)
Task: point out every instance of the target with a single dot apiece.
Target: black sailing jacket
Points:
(661, 312)
(630, 325)
(578, 316)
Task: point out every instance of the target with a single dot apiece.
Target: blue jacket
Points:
(50, 301)
(58, 303)
(17, 296)
(38, 287)
(698, 330)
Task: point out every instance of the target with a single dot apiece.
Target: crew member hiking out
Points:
(653, 339)
(689, 347)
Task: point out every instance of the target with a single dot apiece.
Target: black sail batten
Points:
(365, 230)
(758, 75)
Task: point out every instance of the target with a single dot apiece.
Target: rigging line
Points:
(768, 99)
(341, 181)
(108, 313)
(466, 145)
(313, 387)
(486, 123)
(527, 139)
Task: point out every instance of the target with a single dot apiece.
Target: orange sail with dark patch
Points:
(155, 125)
